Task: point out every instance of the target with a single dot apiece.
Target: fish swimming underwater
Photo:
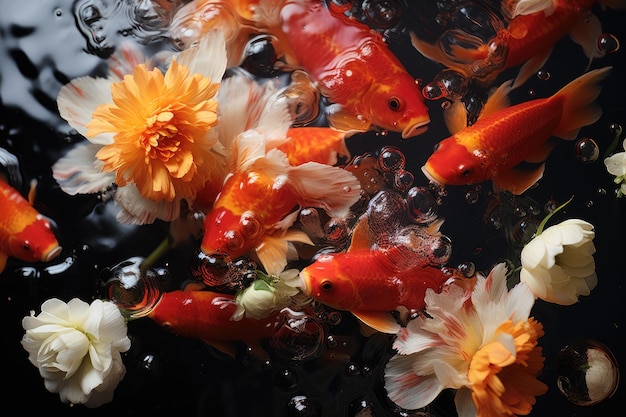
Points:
(502, 138)
(369, 285)
(206, 315)
(534, 28)
(25, 234)
(260, 198)
(354, 69)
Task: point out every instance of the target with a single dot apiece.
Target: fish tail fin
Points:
(580, 109)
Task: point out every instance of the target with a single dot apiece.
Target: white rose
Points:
(261, 298)
(616, 165)
(76, 347)
(558, 263)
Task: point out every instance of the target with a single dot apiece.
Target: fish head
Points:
(324, 281)
(456, 164)
(229, 233)
(397, 105)
(36, 242)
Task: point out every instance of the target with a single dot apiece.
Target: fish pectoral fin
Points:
(381, 321)
(3, 261)
(227, 348)
(341, 119)
(331, 188)
(586, 34)
(455, 117)
(531, 67)
(518, 180)
(541, 153)
(274, 250)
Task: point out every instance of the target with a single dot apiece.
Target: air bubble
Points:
(421, 205)
(608, 43)
(543, 75)
(587, 150)
(391, 159)
(299, 337)
(587, 372)
(303, 406)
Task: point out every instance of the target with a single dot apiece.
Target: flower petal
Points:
(208, 57)
(79, 171)
(139, 210)
(79, 99)
(405, 388)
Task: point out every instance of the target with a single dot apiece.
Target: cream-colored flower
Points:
(558, 263)
(265, 295)
(616, 165)
(148, 132)
(480, 342)
(76, 347)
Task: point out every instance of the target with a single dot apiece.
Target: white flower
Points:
(265, 295)
(616, 165)
(152, 134)
(480, 342)
(76, 347)
(558, 263)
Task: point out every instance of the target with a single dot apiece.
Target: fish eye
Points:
(26, 246)
(395, 103)
(234, 241)
(464, 171)
(250, 226)
(327, 285)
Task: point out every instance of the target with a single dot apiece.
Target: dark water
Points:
(44, 44)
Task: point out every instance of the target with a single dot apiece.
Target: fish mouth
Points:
(303, 279)
(415, 129)
(432, 176)
(51, 254)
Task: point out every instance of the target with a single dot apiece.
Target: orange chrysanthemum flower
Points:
(161, 127)
(503, 383)
(479, 341)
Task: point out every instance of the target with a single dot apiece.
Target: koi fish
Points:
(25, 234)
(375, 276)
(206, 315)
(352, 65)
(368, 283)
(502, 138)
(527, 41)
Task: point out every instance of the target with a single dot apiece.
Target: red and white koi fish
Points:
(501, 139)
(25, 233)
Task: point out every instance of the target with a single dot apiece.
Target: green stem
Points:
(545, 220)
(155, 255)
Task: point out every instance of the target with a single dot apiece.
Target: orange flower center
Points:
(160, 125)
(504, 382)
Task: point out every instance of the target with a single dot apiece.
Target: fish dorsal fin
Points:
(333, 189)
(362, 237)
(498, 100)
(381, 321)
(586, 34)
(517, 180)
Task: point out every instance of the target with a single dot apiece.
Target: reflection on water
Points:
(322, 363)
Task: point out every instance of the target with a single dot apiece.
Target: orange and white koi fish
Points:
(25, 233)
(206, 316)
(353, 68)
(501, 139)
(259, 202)
(527, 41)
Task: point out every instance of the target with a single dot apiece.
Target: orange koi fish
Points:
(260, 198)
(527, 41)
(24, 233)
(206, 315)
(352, 65)
(501, 139)
(370, 284)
